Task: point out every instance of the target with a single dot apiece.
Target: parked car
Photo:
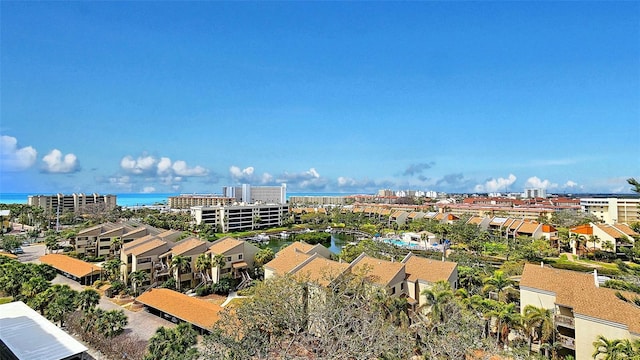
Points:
(17, 251)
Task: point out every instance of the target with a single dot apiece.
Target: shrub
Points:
(204, 290)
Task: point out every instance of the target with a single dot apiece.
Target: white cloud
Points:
(241, 175)
(164, 166)
(13, 158)
(495, 185)
(535, 182)
(570, 184)
(123, 182)
(180, 168)
(141, 165)
(148, 189)
(56, 163)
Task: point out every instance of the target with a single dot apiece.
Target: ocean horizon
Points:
(140, 199)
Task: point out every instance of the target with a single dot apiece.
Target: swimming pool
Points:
(400, 243)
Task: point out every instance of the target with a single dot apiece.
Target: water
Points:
(337, 242)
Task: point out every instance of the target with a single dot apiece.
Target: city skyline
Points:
(173, 97)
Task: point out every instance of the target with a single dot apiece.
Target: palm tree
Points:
(218, 262)
(112, 268)
(116, 245)
(538, 321)
(263, 256)
(113, 322)
(507, 319)
(137, 278)
(610, 349)
(577, 240)
(33, 287)
(88, 299)
(595, 240)
(203, 265)
(498, 283)
(436, 299)
(179, 264)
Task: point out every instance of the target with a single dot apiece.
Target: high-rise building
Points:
(78, 203)
(257, 194)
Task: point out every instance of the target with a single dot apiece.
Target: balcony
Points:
(567, 342)
(566, 321)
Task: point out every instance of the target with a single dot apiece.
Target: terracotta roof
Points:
(239, 265)
(287, 259)
(223, 245)
(548, 228)
(185, 246)
(475, 220)
(320, 270)
(195, 311)
(611, 231)
(528, 227)
(418, 268)
(378, 271)
(625, 229)
(578, 291)
(300, 246)
(146, 247)
(73, 266)
(582, 229)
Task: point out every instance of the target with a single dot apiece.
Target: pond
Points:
(337, 242)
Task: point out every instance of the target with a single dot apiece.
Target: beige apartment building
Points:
(143, 254)
(582, 309)
(612, 210)
(98, 240)
(77, 203)
(238, 257)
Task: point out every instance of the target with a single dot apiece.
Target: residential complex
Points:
(257, 194)
(582, 309)
(317, 200)
(240, 217)
(77, 203)
(100, 240)
(612, 210)
(598, 236)
(406, 278)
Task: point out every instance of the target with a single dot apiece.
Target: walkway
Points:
(232, 295)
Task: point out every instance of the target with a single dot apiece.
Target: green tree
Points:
(203, 265)
(499, 282)
(62, 300)
(636, 185)
(180, 264)
(507, 318)
(137, 278)
(263, 256)
(88, 299)
(173, 344)
(112, 323)
(112, 269)
(218, 262)
(33, 287)
(436, 298)
(539, 323)
(51, 242)
(606, 349)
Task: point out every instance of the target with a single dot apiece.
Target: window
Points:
(228, 258)
(393, 290)
(401, 286)
(240, 257)
(144, 260)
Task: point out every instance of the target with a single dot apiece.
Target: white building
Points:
(257, 194)
(240, 217)
(534, 193)
(612, 210)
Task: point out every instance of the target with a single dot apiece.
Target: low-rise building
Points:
(582, 309)
(143, 254)
(613, 210)
(83, 272)
(99, 240)
(237, 256)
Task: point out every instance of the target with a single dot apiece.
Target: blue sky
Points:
(325, 96)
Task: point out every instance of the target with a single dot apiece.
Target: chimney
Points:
(542, 264)
(595, 277)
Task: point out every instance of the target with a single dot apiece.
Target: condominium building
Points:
(186, 201)
(582, 309)
(240, 217)
(98, 240)
(77, 203)
(317, 200)
(612, 210)
(257, 194)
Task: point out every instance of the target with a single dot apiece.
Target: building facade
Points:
(186, 201)
(612, 210)
(240, 217)
(77, 203)
(257, 194)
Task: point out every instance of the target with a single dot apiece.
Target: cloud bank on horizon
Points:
(148, 174)
(337, 97)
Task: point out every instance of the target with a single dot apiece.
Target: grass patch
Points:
(6, 300)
